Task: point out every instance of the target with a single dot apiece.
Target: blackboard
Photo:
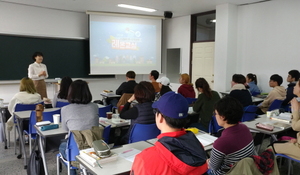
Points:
(63, 57)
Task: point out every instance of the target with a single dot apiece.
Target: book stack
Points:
(90, 156)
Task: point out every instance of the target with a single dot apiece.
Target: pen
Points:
(99, 164)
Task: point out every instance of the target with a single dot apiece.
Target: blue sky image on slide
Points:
(122, 43)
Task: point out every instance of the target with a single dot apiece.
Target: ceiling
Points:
(178, 7)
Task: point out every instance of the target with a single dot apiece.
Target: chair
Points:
(290, 159)
(255, 93)
(143, 132)
(60, 104)
(190, 100)
(102, 111)
(276, 104)
(21, 107)
(249, 113)
(123, 100)
(106, 133)
(31, 132)
(71, 152)
(213, 126)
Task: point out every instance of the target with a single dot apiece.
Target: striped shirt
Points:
(235, 143)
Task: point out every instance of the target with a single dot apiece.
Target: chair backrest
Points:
(190, 100)
(255, 93)
(72, 148)
(213, 126)
(276, 104)
(123, 100)
(47, 116)
(143, 132)
(249, 113)
(26, 107)
(102, 111)
(106, 133)
(60, 104)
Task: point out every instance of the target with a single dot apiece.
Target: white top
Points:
(23, 98)
(35, 69)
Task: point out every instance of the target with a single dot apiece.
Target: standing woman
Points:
(204, 105)
(252, 83)
(186, 89)
(37, 71)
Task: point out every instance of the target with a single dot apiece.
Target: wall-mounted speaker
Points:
(168, 14)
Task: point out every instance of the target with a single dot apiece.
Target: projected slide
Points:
(116, 47)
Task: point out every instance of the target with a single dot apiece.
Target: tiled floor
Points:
(10, 165)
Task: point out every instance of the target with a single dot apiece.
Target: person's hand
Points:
(43, 73)
(295, 104)
(293, 141)
(207, 161)
(131, 98)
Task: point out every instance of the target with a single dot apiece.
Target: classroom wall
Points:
(268, 40)
(35, 21)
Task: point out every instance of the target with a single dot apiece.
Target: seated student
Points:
(27, 95)
(204, 105)
(128, 86)
(291, 148)
(153, 76)
(142, 112)
(236, 140)
(186, 89)
(251, 79)
(292, 78)
(177, 151)
(62, 94)
(164, 84)
(239, 91)
(278, 92)
(80, 114)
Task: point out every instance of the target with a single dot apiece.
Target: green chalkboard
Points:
(63, 57)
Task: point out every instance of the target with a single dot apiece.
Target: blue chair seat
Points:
(143, 132)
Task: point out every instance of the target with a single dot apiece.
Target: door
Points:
(203, 62)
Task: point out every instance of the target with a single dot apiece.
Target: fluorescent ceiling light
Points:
(136, 8)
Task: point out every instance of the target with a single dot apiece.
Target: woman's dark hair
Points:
(252, 77)
(79, 92)
(239, 78)
(37, 54)
(202, 83)
(230, 108)
(64, 87)
(174, 123)
(164, 89)
(144, 92)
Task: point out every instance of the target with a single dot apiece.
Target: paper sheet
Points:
(129, 154)
(206, 139)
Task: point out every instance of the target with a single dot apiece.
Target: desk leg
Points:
(3, 124)
(22, 144)
(41, 147)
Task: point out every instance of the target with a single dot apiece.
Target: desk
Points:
(257, 100)
(121, 165)
(108, 95)
(3, 121)
(43, 134)
(20, 116)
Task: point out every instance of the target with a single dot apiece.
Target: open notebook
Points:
(206, 139)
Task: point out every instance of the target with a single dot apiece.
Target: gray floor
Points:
(10, 165)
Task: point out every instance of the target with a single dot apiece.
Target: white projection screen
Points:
(119, 44)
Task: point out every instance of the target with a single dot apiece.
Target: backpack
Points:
(35, 164)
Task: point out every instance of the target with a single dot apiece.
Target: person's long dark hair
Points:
(202, 83)
(164, 89)
(64, 87)
(79, 92)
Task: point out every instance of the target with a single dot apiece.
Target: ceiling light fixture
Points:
(136, 8)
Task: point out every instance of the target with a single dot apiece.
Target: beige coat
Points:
(278, 93)
(291, 149)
